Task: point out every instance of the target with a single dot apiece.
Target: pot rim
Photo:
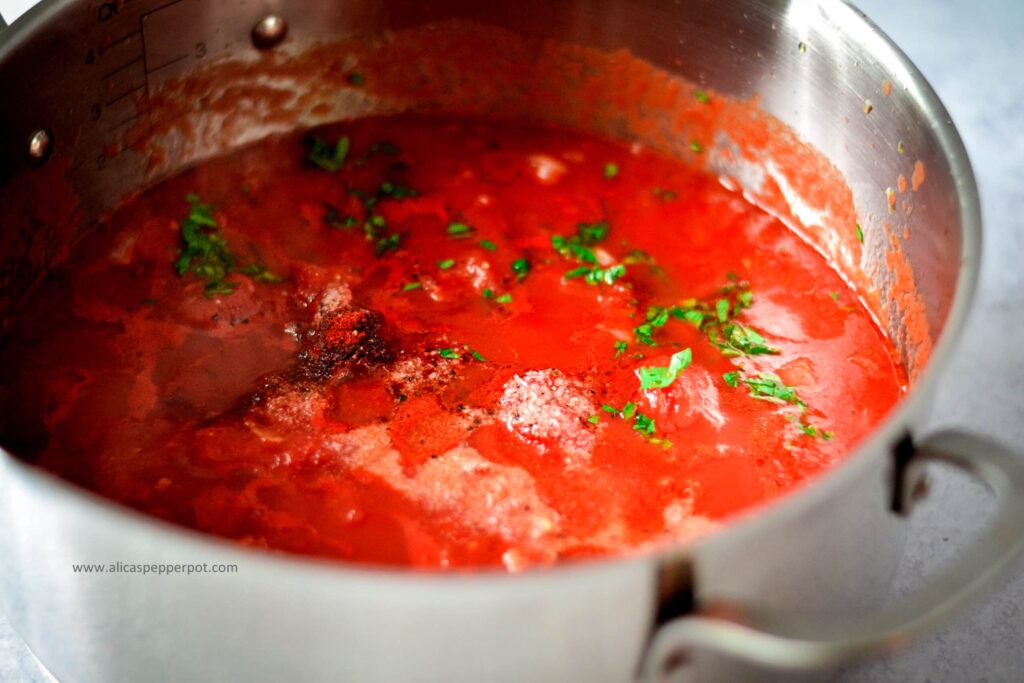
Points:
(894, 426)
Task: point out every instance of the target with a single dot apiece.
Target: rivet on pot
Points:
(39, 145)
(269, 32)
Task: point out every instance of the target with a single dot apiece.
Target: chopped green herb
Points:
(592, 233)
(722, 307)
(356, 79)
(737, 339)
(568, 247)
(859, 233)
(658, 377)
(478, 356)
(445, 264)
(692, 316)
(505, 298)
(802, 46)
(595, 275)
(620, 348)
(834, 295)
(449, 353)
(594, 419)
(701, 96)
(578, 246)
(643, 424)
(811, 430)
(768, 386)
(901, 148)
(329, 158)
(521, 267)
(611, 170)
(259, 273)
(732, 378)
(459, 229)
(696, 147)
(665, 195)
(408, 287)
(389, 189)
(610, 409)
(638, 256)
(488, 293)
(488, 245)
(368, 200)
(387, 243)
(205, 252)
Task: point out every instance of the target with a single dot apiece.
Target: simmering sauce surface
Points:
(444, 343)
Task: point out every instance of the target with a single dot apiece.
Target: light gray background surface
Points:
(970, 51)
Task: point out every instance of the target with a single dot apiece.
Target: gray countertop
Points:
(967, 49)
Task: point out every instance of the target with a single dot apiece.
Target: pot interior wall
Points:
(804, 120)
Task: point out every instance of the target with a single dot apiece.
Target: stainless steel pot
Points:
(794, 587)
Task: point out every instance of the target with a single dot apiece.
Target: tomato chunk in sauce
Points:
(443, 342)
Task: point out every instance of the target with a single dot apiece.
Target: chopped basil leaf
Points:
(448, 353)
(411, 286)
(445, 264)
(701, 96)
(504, 298)
(592, 233)
(459, 229)
(611, 170)
(329, 158)
(768, 386)
(478, 356)
(658, 377)
(643, 424)
(696, 147)
(620, 348)
(722, 310)
(732, 378)
(860, 233)
(594, 419)
(521, 267)
(596, 275)
(488, 245)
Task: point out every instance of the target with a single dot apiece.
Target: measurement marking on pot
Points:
(130, 61)
(134, 117)
(157, 9)
(167, 64)
(126, 94)
(122, 68)
(120, 40)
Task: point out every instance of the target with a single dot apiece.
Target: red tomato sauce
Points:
(460, 343)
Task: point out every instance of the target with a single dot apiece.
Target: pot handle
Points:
(780, 643)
